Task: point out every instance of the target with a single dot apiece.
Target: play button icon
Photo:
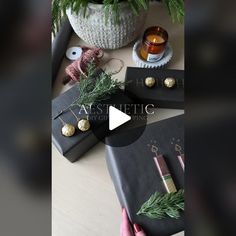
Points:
(117, 118)
(113, 117)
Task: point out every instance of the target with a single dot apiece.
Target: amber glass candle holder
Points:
(153, 44)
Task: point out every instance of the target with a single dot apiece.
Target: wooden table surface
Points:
(84, 202)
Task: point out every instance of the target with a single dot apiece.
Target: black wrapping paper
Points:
(158, 95)
(74, 147)
(136, 177)
(59, 47)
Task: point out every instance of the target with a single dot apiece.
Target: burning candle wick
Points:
(155, 38)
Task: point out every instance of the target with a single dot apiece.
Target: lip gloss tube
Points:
(181, 160)
(165, 174)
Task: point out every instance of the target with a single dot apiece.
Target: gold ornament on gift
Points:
(150, 82)
(67, 130)
(83, 124)
(169, 82)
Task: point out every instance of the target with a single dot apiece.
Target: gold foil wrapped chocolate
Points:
(84, 125)
(169, 82)
(68, 130)
(150, 82)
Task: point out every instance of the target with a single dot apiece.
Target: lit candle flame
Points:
(154, 40)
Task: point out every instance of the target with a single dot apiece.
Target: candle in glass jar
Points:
(155, 38)
(153, 44)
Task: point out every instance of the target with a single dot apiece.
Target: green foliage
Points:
(176, 9)
(159, 206)
(93, 90)
(59, 7)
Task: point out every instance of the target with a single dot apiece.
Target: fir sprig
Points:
(159, 206)
(93, 90)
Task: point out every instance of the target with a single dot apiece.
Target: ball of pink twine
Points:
(80, 65)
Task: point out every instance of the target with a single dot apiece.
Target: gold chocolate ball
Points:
(68, 130)
(84, 125)
(150, 82)
(169, 82)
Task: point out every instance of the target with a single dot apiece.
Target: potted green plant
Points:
(108, 24)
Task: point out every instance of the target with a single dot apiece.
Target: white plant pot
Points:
(111, 35)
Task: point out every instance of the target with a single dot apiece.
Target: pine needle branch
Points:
(160, 206)
(93, 90)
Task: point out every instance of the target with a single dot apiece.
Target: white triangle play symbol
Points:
(117, 118)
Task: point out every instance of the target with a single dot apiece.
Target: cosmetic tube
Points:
(165, 174)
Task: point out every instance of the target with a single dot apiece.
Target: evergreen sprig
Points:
(159, 206)
(93, 90)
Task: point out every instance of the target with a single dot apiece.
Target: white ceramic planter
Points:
(93, 29)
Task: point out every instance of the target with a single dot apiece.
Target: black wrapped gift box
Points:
(136, 177)
(158, 95)
(74, 147)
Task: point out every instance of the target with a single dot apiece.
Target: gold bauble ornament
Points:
(150, 82)
(68, 130)
(169, 82)
(84, 125)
